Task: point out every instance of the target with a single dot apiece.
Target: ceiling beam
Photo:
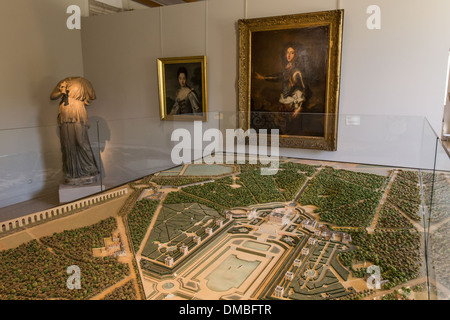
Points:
(149, 3)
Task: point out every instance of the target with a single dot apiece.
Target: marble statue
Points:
(79, 164)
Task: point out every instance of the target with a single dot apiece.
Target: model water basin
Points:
(207, 170)
(231, 273)
(171, 172)
(168, 286)
(256, 245)
(168, 174)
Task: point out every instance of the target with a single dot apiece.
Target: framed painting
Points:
(289, 77)
(182, 88)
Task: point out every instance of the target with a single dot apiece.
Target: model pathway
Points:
(371, 228)
(436, 225)
(322, 252)
(306, 183)
(149, 229)
(418, 226)
(410, 284)
(128, 259)
(119, 284)
(77, 220)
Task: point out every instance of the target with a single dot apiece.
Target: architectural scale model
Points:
(315, 230)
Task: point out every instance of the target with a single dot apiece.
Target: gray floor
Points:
(21, 209)
(120, 165)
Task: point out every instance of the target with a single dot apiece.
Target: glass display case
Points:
(182, 209)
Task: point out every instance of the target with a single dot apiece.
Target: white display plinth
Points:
(70, 193)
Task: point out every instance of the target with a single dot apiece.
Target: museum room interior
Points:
(388, 109)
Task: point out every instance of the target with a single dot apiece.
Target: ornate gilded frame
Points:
(162, 64)
(332, 19)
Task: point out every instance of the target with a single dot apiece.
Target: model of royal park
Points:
(312, 231)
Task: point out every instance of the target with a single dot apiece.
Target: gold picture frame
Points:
(289, 77)
(183, 98)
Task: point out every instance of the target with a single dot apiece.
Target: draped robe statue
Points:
(79, 165)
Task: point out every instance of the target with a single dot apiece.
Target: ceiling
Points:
(100, 7)
(158, 3)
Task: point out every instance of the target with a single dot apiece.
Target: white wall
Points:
(37, 51)
(399, 70)
(120, 58)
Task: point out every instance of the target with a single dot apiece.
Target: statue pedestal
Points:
(69, 193)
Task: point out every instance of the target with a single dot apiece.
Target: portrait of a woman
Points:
(186, 100)
(183, 88)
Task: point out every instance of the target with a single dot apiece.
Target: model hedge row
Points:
(183, 197)
(177, 181)
(390, 218)
(327, 192)
(308, 170)
(405, 193)
(290, 181)
(222, 194)
(139, 220)
(37, 271)
(437, 195)
(261, 187)
(255, 188)
(396, 253)
(125, 292)
(79, 242)
(440, 251)
(366, 180)
(359, 214)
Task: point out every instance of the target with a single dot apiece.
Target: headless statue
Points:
(79, 165)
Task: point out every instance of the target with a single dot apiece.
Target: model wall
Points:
(37, 51)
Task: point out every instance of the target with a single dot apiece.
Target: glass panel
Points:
(134, 148)
(427, 181)
(439, 228)
(125, 150)
(382, 199)
(369, 139)
(30, 168)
